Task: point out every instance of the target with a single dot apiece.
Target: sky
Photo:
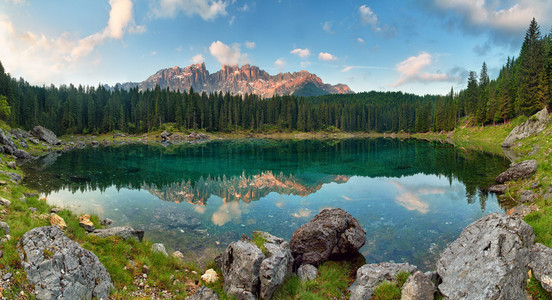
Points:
(414, 46)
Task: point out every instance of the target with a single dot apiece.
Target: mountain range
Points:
(235, 80)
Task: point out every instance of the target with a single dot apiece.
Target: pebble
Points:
(7, 276)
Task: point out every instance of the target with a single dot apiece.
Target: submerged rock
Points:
(371, 275)
(60, 268)
(489, 260)
(126, 232)
(523, 169)
(333, 232)
(535, 124)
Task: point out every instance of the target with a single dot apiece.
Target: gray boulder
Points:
(332, 232)
(523, 169)
(498, 189)
(5, 202)
(520, 211)
(527, 196)
(370, 276)
(7, 142)
(126, 232)
(60, 268)
(541, 265)
(307, 272)
(45, 134)
(241, 264)
(249, 273)
(203, 293)
(535, 124)
(418, 287)
(158, 247)
(22, 154)
(277, 266)
(489, 260)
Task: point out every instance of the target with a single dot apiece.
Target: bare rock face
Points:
(371, 275)
(60, 268)
(533, 125)
(249, 273)
(45, 134)
(489, 260)
(418, 287)
(523, 169)
(234, 80)
(541, 265)
(333, 232)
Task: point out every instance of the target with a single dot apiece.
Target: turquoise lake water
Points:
(412, 197)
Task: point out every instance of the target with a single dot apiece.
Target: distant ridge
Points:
(245, 80)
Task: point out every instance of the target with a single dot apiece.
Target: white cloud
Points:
(231, 21)
(305, 64)
(244, 8)
(153, 53)
(40, 58)
(249, 45)
(504, 20)
(206, 9)
(327, 27)
(325, 56)
(198, 59)
(228, 55)
(368, 17)
(15, 1)
(361, 40)
(347, 68)
(303, 53)
(280, 63)
(411, 70)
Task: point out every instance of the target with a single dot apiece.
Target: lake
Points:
(412, 197)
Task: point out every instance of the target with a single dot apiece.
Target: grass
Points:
(259, 240)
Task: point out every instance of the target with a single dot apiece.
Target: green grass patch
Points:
(387, 290)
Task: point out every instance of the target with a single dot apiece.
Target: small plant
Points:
(259, 240)
(387, 290)
(402, 276)
(48, 254)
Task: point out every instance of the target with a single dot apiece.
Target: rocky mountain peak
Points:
(246, 79)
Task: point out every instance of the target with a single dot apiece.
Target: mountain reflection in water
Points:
(412, 197)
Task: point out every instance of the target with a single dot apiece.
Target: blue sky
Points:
(418, 46)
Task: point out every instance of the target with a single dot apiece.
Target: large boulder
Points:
(126, 232)
(418, 287)
(489, 260)
(535, 124)
(46, 135)
(523, 169)
(251, 273)
(541, 265)
(7, 142)
(370, 276)
(333, 232)
(60, 268)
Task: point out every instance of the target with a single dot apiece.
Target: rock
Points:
(158, 247)
(520, 211)
(126, 232)
(333, 232)
(197, 136)
(46, 135)
(210, 276)
(434, 277)
(7, 143)
(60, 268)
(541, 265)
(523, 169)
(5, 202)
(535, 124)
(33, 209)
(5, 228)
(34, 141)
(55, 210)
(307, 272)
(14, 176)
(145, 269)
(241, 263)
(7, 276)
(370, 276)
(6, 238)
(165, 135)
(172, 218)
(58, 221)
(498, 189)
(527, 196)
(106, 222)
(12, 165)
(95, 143)
(489, 260)
(22, 154)
(277, 266)
(178, 254)
(203, 293)
(418, 287)
(86, 223)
